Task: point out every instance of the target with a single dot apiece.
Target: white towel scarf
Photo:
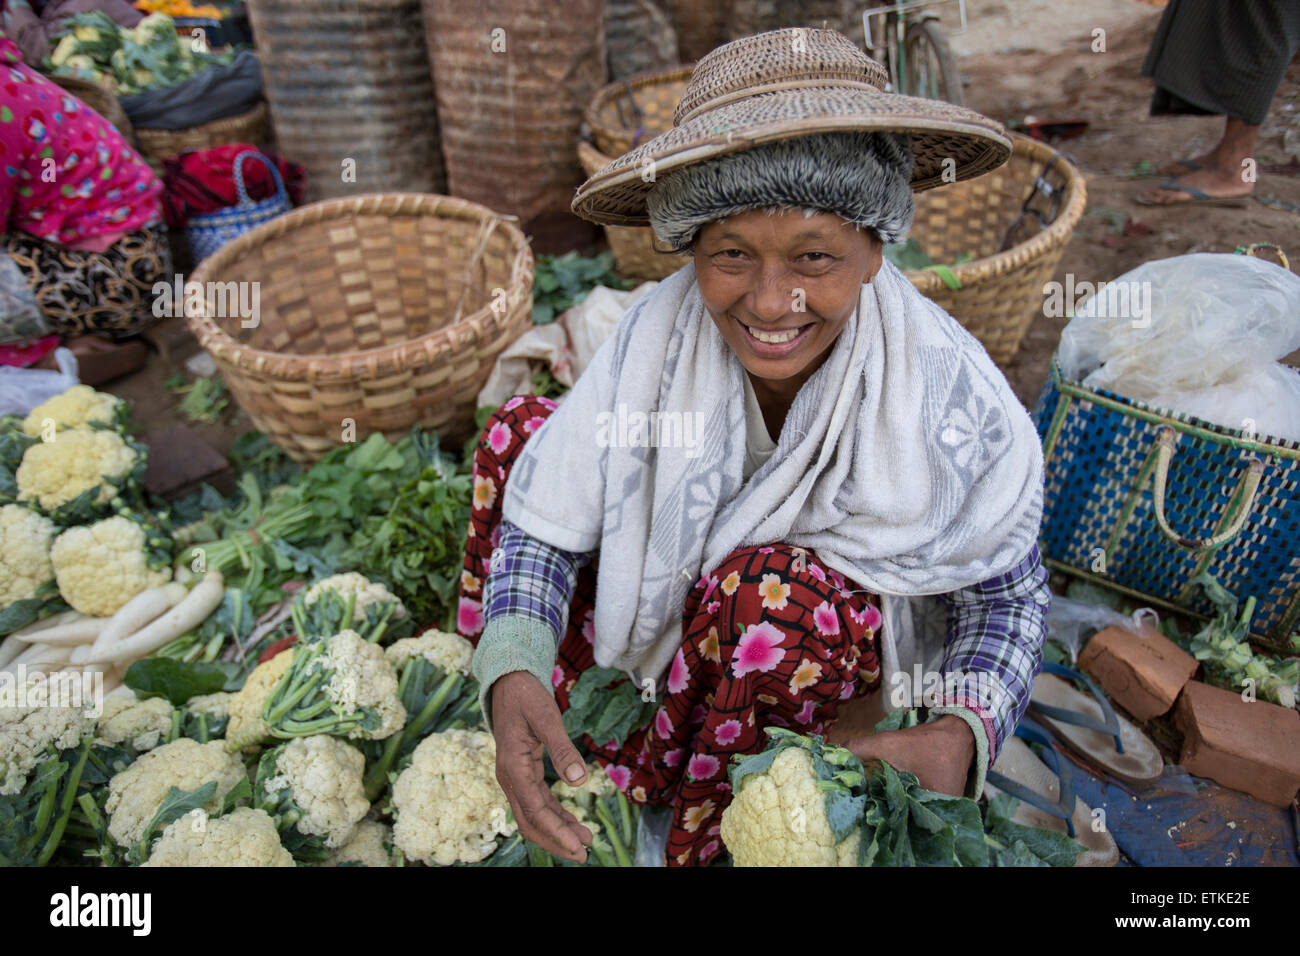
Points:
(905, 462)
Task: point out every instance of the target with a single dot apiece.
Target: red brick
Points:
(1252, 746)
(1143, 673)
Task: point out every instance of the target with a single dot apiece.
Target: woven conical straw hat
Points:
(781, 85)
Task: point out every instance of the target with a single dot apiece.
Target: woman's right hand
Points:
(526, 721)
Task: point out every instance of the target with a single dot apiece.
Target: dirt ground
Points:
(1034, 58)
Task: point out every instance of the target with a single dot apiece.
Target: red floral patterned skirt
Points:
(769, 638)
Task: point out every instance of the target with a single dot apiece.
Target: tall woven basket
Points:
(375, 313)
(351, 94)
(512, 79)
(1014, 252)
(249, 127)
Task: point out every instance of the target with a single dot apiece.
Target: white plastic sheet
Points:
(1199, 334)
(22, 389)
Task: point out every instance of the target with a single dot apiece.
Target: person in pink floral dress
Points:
(83, 232)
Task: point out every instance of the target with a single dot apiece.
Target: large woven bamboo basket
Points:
(375, 313)
(1001, 288)
(249, 127)
(351, 94)
(512, 78)
(624, 115)
(635, 252)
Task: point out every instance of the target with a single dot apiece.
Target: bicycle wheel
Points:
(931, 69)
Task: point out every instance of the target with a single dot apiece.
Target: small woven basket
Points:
(208, 232)
(158, 144)
(374, 314)
(992, 218)
(624, 115)
(635, 253)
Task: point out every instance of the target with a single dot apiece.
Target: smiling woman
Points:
(781, 286)
(858, 450)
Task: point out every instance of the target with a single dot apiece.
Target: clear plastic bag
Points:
(1170, 330)
(22, 389)
(1073, 623)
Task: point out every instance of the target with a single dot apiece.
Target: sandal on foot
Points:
(1199, 197)
(1189, 166)
(1046, 794)
(1089, 726)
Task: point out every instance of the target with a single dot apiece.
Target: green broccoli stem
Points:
(539, 857)
(290, 699)
(175, 731)
(381, 625)
(625, 818)
(65, 805)
(330, 724)
(349, 608)
(603, 856)
(315, 710)
(413, 730)
(611, 832)
(204, 735)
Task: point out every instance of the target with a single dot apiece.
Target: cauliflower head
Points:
(243, 837)
(363, 591)
(27, 733)
(103, 565)
(323, 774)
(247, 730)
(362, 679)
(78, 406)
(53, 473)
(371, 844)
(778, 818)
(450, 652)
(447, 805)
(216, 706)
(141, 723)
(135, 794)
(25, 567)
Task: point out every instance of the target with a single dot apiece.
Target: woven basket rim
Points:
(612, 91)
(1264, 444)
(1057, 234)
(239, 119)
(361, 363)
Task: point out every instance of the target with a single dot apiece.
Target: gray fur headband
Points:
(863, 177)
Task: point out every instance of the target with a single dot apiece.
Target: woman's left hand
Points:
(939, 753)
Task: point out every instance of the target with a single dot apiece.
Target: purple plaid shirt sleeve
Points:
(528, 578)
(995, 640)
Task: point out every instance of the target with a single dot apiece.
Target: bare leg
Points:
(1223, 170)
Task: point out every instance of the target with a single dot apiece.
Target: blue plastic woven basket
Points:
(208, 232)
(1142, 500)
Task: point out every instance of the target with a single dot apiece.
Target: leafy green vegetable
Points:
(605, 705)
(32, 822)
(561, 282)
(911, 257)
(1223, 647)
(178, 681)
(204, 400)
